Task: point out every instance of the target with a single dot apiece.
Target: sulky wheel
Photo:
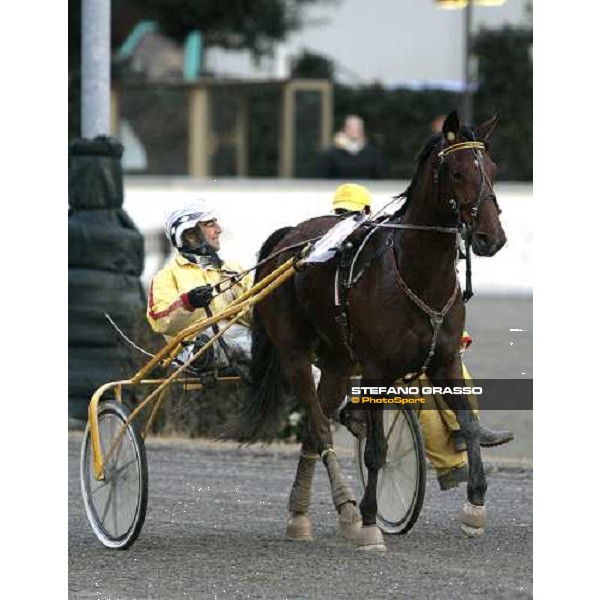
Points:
(116, 505)
(401, 482)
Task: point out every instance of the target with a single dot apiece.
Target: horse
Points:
(405, 313)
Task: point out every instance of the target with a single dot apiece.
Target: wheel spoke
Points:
(115, 512)
(118, 471)
(107, 505)
(400, 495)
(400, 458)
(396, 428)
(101, 485)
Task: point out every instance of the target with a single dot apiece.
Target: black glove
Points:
(201, 296)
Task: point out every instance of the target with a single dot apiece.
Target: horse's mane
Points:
(421, 161)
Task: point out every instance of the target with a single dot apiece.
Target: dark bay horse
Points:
(406, 314)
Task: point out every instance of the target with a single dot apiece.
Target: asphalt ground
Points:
(215, 529)
(499, 353)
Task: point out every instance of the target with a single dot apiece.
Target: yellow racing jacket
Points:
(169, 310)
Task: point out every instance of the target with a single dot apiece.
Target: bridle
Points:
(483, 194)
(466, 227)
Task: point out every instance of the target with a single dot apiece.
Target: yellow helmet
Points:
(352, 197)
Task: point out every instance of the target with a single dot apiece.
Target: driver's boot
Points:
(354, 421)
(487, 438)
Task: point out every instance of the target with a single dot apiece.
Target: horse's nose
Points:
(484, 245)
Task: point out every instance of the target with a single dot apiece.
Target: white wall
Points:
(249, 210)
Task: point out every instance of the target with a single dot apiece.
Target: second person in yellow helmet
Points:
(351, 198)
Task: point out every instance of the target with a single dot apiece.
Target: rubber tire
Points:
(120, 411)
(93, 293)
(405, 524)
(95, 173)
(103, 289)
(105, 240)
(91, 367)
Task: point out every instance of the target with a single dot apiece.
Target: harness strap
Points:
(468, 293)
(388, 244)
(436, 318)
(468, 145)
(344, 260)
(346, 281)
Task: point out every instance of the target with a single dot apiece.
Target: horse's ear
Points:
(451, 127)
(485, 130)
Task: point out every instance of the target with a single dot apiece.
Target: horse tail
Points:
(263, 410)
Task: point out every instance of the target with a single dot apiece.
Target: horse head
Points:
(466, 174)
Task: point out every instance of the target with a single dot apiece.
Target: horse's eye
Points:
(456, 176)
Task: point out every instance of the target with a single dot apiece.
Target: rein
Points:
(454, 230)
(235, 279)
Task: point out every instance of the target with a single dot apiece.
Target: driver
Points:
(445, 444)
(182, 293)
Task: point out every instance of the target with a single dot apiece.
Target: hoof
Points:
(299, 529)
(472, 532)
(472, 520)
(370, 539)
(350, 521)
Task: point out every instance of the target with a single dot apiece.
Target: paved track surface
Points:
(216, 514)
(499, 353)
(215, 523)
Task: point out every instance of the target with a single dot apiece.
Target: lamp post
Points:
(467, 5)
(95, 68)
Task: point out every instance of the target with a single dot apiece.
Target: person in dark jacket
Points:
(351, 156)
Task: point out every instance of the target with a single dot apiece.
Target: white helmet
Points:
(187, 218)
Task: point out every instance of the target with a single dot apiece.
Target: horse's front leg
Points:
(473, 517)
(370, 537)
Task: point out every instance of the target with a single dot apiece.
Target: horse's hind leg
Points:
(299, 375)
(320, 443)
(299, 526)
(332, 389)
